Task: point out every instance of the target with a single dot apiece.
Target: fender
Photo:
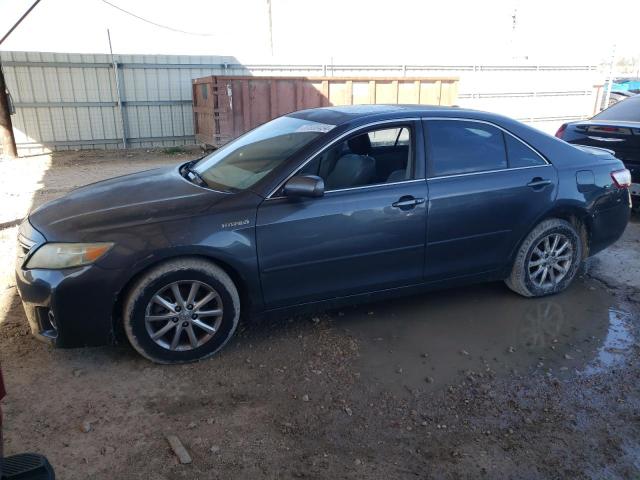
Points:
(239, 271)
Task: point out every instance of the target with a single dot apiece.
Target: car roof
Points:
(345, 114)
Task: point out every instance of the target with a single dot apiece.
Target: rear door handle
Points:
(538, 183)
(407, 202)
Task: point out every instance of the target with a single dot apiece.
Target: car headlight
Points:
(67, 255)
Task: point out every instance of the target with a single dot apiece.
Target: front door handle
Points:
(539, 183)
(407, 202)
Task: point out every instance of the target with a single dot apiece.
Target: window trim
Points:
(373, 185)
(410, 121)
(486, 171)
(430, 176)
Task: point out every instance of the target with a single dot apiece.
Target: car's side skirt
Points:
(378, 295)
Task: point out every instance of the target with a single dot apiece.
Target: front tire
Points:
(547, 261)
(181, 311)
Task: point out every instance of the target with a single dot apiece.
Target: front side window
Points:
(241, 163)
(378, 156)
(457, 146)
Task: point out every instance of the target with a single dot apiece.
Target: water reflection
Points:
(542, 324)
(616, 344)
(431, 340)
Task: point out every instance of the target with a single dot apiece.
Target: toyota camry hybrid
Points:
(316, 208)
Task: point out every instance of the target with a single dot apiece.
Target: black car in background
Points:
(617, 129)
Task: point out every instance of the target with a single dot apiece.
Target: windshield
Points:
(627, 110)
(242, 162)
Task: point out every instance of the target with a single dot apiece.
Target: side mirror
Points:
(304, 186)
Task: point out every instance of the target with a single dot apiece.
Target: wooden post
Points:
(6, 127)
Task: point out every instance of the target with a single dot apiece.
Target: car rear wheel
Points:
(181, 311)
(547, 260)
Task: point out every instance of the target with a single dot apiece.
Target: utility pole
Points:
(607, 94)
(270, 27)
(116, 77)
(6, 127)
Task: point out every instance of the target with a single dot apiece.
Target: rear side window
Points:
(626, 110)
(520, 155)
(458, 146)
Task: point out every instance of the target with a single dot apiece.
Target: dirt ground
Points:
(473, 382)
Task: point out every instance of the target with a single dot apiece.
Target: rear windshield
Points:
(243, 162)
(627, 110)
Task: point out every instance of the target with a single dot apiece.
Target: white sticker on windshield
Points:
(315, 127)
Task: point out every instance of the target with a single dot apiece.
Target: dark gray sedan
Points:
(316, 208)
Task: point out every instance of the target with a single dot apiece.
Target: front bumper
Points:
(71, 307)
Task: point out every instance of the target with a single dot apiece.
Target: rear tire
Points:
(181, 311)
(547, 261)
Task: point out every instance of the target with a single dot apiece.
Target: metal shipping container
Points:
(224, 107)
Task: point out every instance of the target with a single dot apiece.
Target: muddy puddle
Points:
(437, 339)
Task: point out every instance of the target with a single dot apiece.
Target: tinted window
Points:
(457, 146)
(626, 110)
(375, 157)
(520, 155)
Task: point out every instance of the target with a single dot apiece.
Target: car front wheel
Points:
(181, 311)
(547, 260)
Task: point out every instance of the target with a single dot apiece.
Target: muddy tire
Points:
(181, 311)
(547, 261)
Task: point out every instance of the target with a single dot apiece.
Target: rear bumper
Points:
(69, 308)
(608, 225)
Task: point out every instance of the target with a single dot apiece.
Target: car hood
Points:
(144, 197)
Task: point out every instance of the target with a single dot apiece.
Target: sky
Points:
(333, 31)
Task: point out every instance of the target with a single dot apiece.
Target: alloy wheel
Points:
(550, 260)
(183, 315)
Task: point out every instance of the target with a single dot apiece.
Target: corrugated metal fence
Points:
(71, 101)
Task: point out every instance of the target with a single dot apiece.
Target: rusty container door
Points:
(226, 107)
(212, 112)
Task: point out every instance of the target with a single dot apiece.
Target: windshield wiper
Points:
(193, 176)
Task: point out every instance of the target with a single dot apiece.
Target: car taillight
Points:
(561, 130)
(622, 178)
